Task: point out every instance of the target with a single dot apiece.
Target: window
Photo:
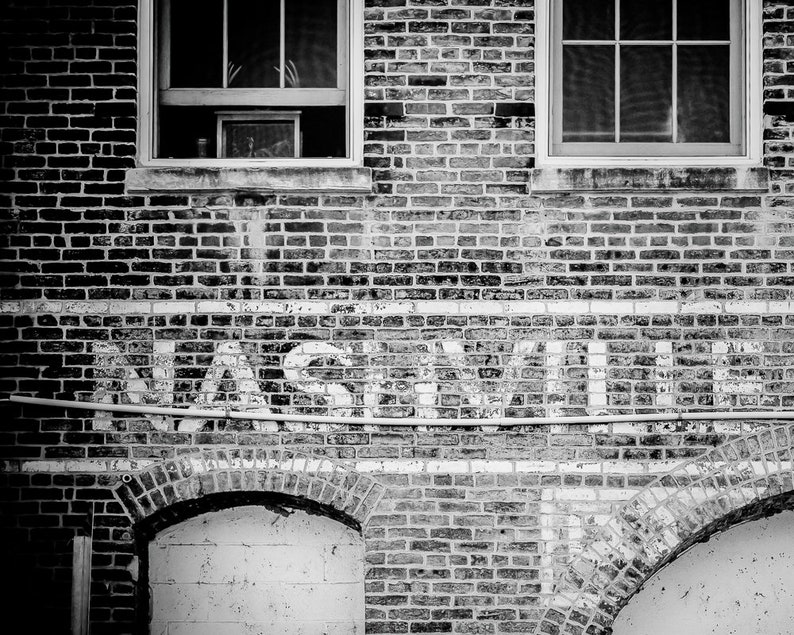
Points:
(649, 80)
(271, 82)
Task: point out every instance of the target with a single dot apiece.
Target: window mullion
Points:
(617, 71)
(674, 106)
(164, 38)
(343, 64)
(738, 70)
(225, 60)
(282, 44)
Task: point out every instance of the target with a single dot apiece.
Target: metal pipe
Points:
(401, 421)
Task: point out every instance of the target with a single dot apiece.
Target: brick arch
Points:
(201, 473)
(724, 485)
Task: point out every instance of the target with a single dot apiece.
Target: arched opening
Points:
(250, 564)
(740, 581)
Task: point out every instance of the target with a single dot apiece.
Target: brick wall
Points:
(453, 290)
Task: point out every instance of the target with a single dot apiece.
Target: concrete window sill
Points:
(655, 179)
(328, 180)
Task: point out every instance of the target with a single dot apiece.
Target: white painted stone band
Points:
(428, 307)
(389, 466)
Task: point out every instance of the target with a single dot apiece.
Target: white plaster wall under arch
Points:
(739, 582)
(250, 570)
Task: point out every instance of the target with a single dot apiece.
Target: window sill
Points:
(249, 179)
(655, 179)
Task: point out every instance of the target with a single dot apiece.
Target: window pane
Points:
(253, 44)
(704, 20)
(588, 19)
(646, 93)
(704, 87)
(183, 129)
(196, 43)
(310, 57)
(588, 93)
(323, 131)
(646, 19)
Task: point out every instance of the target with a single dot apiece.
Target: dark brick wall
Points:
(457, 545)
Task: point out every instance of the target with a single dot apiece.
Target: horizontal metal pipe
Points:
(402, 421)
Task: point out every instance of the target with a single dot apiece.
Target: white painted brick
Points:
(664, 374)
(531, 467)
(437, 307)
(169, 307)
(209, 306)
(123, 308)
(494, 467)
(660, 467)
(375, 308)
(85, 465)
(701, 307)
(567, 308)
(625, 427)
(83, 308)
(622, 467)
(596, 376)
(521, 307)
(612, 307)
(728, 427)
(745, 307)
(616, 494)
(391, 467)
(486, 307)
(780, 307)
(580, 467)
(576, 494)
(597, 352)
(33, 306)
(447, 467)
(308, 307)
(261, 307)
(663, 307)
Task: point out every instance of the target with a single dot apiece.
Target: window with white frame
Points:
(649, 78)
(250, 81)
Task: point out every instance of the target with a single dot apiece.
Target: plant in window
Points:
(291, 77)
(232, 71)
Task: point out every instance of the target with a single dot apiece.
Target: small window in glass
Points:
(238, 79)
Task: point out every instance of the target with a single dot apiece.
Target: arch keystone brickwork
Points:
(192, 475)
(724, 485)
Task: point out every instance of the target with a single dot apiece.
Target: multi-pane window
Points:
(252, 80)
(647, 78)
